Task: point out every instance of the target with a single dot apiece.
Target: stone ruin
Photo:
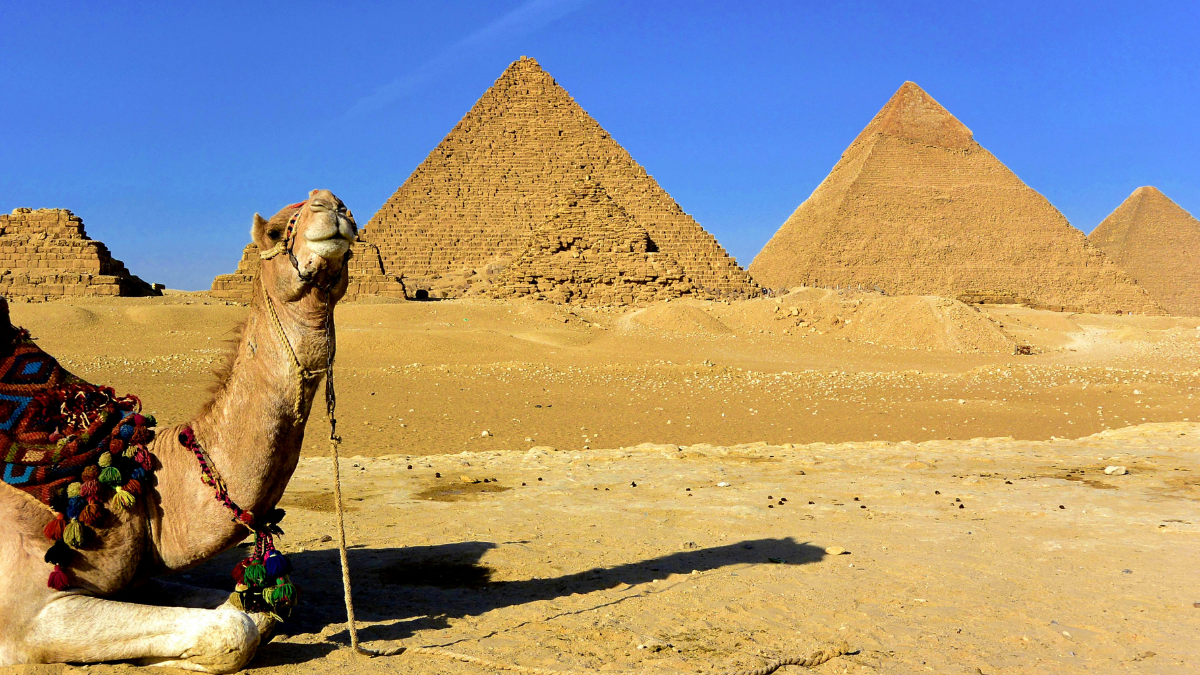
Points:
(46, 254)
(1157, 242)
(364, 267)
(503, 172)
(591, 252)
(916, 207)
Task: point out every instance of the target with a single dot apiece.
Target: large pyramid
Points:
(1157, 242)
(916, 206)
(503, 171)
(46, 254)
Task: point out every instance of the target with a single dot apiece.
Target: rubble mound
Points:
(1157, 242)
(916, 207)
(46, 254)
(501, 173)
(591, 252)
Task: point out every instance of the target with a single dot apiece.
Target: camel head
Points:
(304, 247)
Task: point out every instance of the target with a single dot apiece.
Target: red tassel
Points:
(90, 515)
(134, 487)
(247, 518)
(90, 473)
(58, 579)
(239, 571)
(54, 528)
(143, 459)
(89, 490)
(116, 446)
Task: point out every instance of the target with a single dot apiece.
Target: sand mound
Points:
(677, 317)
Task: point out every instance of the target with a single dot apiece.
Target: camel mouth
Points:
(331, 248)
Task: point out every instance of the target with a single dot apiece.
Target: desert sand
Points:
(965, 481)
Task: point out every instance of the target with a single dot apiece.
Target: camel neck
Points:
(252, 432)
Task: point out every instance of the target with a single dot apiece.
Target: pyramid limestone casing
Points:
(501, 173)
(916, 207)
(365, 270)
(1157, 242)
(46, 254)
(591, 251)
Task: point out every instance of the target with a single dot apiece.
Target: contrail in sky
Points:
(529, 16)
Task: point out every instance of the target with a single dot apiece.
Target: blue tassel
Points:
(137, 473)
(75, 507)
(277, 564)
(126, 432)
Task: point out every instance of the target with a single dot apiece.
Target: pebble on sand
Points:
(835, 550)
(722, 484)
(1115, 470)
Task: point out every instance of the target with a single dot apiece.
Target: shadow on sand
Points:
(420, 588)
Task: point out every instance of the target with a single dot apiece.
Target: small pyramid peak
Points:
(913, 114)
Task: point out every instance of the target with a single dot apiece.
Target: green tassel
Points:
(111, 476)
(105, 459)
(74, 533)
(73, 490)
(283, 594)
(123, 499)
(235, 599)
(130, 452)
(255, 575)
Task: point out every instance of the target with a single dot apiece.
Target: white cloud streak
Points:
(529, 16)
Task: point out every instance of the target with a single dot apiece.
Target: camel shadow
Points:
(419, 588)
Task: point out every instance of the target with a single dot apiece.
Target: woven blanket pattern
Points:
(75, 446)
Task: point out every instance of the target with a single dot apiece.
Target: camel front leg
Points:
(84, 629)
(161, 592)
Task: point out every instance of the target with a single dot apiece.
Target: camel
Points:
(116, 608)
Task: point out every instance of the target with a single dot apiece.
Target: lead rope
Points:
(812, 660)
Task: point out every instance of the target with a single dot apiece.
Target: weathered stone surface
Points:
(1158, 243)
(46, 254)
(503, 171)
(916, 206)
(365, 269)
(591, 251)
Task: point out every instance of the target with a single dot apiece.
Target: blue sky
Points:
(167, 125)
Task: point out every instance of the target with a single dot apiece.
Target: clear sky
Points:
(167, 125)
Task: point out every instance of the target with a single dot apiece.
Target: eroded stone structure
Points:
(916, 206)
(365, 269)
(1157, 242)
(502, 173)
(46, 254)
(591, 251)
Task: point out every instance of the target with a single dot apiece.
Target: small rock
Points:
(1115, 470)
(326, 538)
(468, 479)
(485, 432)
(722, 484)
(835, 550)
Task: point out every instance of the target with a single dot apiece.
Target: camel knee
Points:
(224, 645)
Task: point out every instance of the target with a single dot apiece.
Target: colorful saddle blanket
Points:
(75, 446)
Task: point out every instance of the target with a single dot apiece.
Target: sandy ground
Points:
(966, 554)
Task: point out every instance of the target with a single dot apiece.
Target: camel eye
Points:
(274, 235)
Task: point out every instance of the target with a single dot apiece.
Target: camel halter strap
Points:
(285, 246)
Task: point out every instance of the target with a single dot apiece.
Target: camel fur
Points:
(253, 436)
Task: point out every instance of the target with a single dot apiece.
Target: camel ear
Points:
(263, 234)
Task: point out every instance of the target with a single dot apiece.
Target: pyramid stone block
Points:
(916, 207)
(46, 254)
(1157, 242)
(365, 269)
(592, 252)
(502, 172)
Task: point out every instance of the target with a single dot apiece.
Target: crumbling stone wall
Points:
(365, 269)
(46, 254)
(916, 207)
(591, 252)
(1157, 242)
(504, 169)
